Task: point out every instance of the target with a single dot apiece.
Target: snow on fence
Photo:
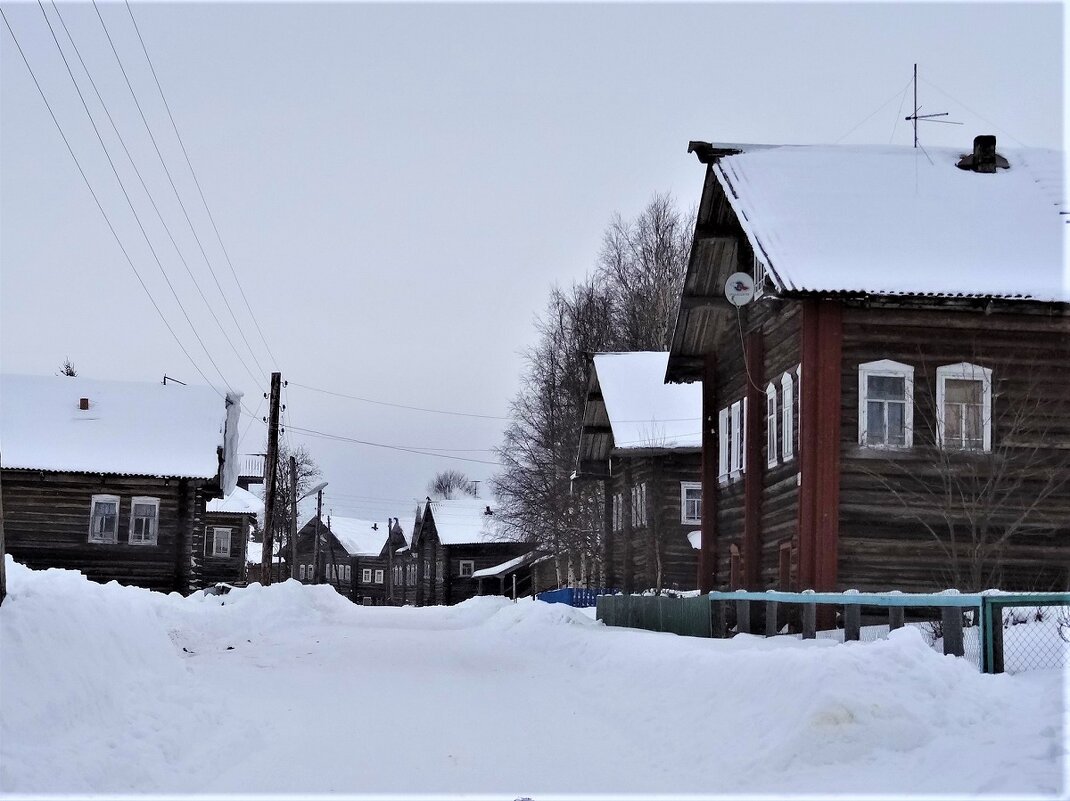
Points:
(1000, 632)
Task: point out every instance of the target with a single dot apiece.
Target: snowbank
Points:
(109, 690)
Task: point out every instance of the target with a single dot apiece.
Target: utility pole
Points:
(316, 542)
(270, 469)
(293, 517)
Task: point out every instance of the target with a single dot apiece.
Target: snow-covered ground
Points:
(292, 689)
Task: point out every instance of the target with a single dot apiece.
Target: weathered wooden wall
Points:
(883, 545)
(209, 570)
(46, 523)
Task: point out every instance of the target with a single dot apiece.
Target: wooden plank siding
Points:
(46, 524)
(208, 569)
(883, 546)
(636, 548)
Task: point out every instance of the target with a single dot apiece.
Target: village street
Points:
(293, 689)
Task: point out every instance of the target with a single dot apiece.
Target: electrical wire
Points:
(868, 118)
(974, 113)
(397, 405)
(148, 194)
(103, 213)
(130, 202)
(324, 435)
(174, 188)
(197, 182)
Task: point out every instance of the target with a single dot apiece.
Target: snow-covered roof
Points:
(357, 536)
(464, 521)
(695, 538)
(239, 502)
(644, 411)
(129, 428)
(899, 220)
(505, 567)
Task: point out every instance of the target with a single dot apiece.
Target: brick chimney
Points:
(984, 157)
(83, 404)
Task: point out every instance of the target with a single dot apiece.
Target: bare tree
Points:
(449, 484)
(981, 506)
(308, 472)
(67, 369)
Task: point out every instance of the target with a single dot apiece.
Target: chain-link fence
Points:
(1033, 632)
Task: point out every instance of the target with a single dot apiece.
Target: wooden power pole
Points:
(316, 541)
(271, 462)
(293, 517)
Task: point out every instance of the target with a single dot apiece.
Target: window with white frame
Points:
(759, 277)
(739, 438)
(885, 404)
(690, 502)
(144, 521)
(787, 410)
(964, 407)
(639, 505)
(466, 568)
(349, 572)
(724, 443)
(301, 572)
(378, 576)
(104, 518)
(366, 575)
(220, 541)
(770, 426)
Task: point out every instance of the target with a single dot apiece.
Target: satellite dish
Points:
(739, 289)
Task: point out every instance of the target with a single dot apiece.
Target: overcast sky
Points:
(398, 186)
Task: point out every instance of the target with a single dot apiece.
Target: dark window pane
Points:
(885, 387)
(957, 390)
(875, 423)
(974, 429)
(897, 424)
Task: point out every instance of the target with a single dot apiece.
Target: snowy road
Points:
(295, 690)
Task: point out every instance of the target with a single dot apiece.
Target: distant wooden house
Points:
(220, 541)
(356, 556)
(452, 539)
(511, 579)
(892, 409)
(111, 478)
(642, 439)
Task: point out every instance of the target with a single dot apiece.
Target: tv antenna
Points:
(924, 117)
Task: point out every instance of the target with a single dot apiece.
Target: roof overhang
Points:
(596, 434)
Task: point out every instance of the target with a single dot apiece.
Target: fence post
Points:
(743, 617)
(995, 639)
(770, 619)
(951, 618)
(852, 622)
(809, 621)
(896, 617)
(717, 628)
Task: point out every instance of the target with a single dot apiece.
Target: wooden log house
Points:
(452, 539)
(892, 409)
(221, 539)
(111, 477)
(641, 439)
(355, 556)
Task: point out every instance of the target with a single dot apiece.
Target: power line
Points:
(196, 181)
(103, 213)
(126, 195)
(178, 196)
(397, 405)
(338, 437)
(148, 194)
(868, 118)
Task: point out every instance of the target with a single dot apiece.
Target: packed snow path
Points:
(292, 689)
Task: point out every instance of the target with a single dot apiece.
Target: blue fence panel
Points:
(579, 597)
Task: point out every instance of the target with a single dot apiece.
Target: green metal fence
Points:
(1002, 632)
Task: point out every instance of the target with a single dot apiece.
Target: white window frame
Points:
(771, 459)
(379, 576)
(366, 576)
(348, 572)
(301, 572)
(787, 410)
(470, 564)
(739, 439)
(684, 487)
(758, 274)
(891, 369)
(966, 372)
(144, 501)
(210, 541)
(639, 519)
(92, 514)
(724, 435)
